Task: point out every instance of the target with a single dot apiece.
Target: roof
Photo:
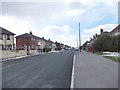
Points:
(26, 35)
(30, 35)
(115, 30)
(4, 31)
(104, 33)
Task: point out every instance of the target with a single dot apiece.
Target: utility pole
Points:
(79, 39)
(77, 42)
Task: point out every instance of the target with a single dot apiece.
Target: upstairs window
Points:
(8, 37)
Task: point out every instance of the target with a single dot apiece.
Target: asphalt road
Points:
(51, 70)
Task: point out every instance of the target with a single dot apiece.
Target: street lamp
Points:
(79, 39)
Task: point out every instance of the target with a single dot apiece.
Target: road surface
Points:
(51, 70)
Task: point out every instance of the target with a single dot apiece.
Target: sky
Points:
(58, 20)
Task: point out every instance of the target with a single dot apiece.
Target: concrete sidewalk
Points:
(92, 71)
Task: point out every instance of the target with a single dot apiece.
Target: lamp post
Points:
(79, 39)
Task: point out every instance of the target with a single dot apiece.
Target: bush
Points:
(46, 49)
(107, 43)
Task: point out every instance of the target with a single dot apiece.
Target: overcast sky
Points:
(58, 19)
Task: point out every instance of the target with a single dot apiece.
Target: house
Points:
(31, 42)
(58, 46)
(43, 43)
(26, 41)
(115, 31)
(51, 45)
(6, 39)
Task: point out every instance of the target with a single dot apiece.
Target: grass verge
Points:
(117, 59)
(99, 53)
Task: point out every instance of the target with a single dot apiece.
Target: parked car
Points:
(76, 49)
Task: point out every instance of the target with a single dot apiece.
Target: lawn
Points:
(99, 53)
(108, 55)
(117, 59)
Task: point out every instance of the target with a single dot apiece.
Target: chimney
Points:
(30, 32)
(101, 31)
(48, 39)
(96, 35)
(91, 39)
(42, 37)
(93, 36)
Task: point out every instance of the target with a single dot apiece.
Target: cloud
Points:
(61, 34)
(67, 39)
(77, 5)
(32, 9)
(54, 30)
(105, 27)
(15, 25)
(55, 12)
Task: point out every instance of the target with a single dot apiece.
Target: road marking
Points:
(72, 77)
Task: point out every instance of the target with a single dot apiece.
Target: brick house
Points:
(6, 39)
(26, 41)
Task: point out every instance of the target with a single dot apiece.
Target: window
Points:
(1, 36)
(8, 37)
(33, 39)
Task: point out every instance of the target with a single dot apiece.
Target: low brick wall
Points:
(33, 51)
(15, 53)
(11, 53)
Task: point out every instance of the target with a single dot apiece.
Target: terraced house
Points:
(6, 39)
(31, 42)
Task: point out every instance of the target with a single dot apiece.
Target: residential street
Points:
(50, 70)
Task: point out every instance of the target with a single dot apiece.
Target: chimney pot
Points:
(101, 31)
(30, 32)
(96, 35)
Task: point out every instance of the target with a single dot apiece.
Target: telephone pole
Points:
(77, 42)
(79, 39)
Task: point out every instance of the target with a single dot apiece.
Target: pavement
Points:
(93, 71)
(50, 70)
